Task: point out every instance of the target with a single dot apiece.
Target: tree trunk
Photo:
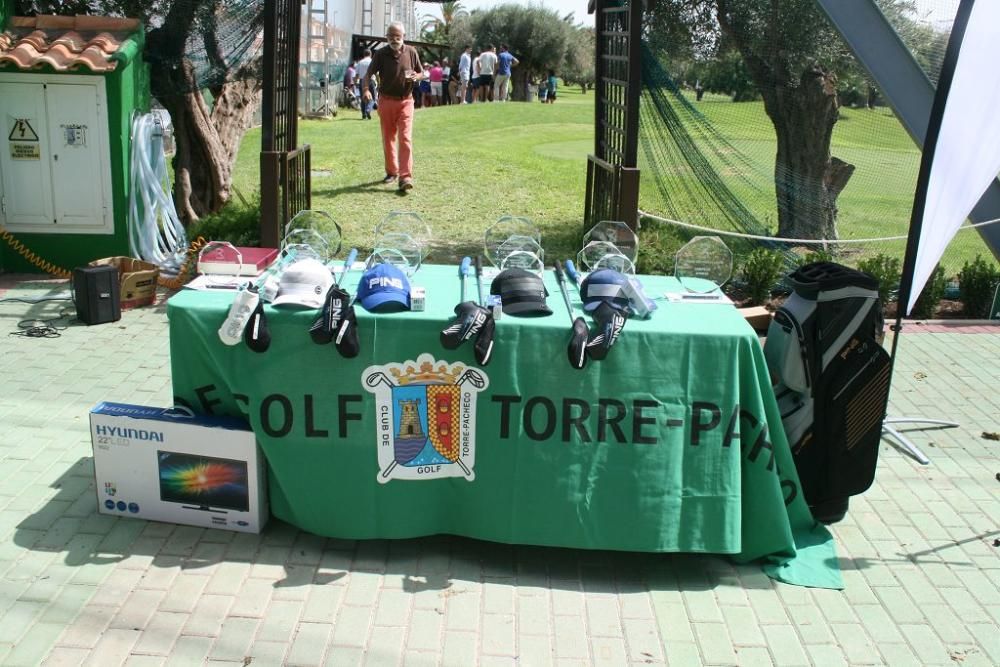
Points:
(206, 140)
(807, 180)
(519, 77)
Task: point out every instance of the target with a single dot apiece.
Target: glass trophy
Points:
(703, 265)
(306, 243)
(521, 252)
(321, 224)
(616, 233)
(407, 223)
(399, 249)
(220, 263)
(604, 255)
(506, 228)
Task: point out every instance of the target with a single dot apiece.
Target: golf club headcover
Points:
(347, 335)
(244, 303)
(577, 349)
(484, 341)
(469, 319)
(323, 329)
(609, 323)
(257, 335)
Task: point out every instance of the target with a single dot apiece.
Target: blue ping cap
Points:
(604, 285)
(384, 288)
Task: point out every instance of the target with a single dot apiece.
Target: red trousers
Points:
(396, 118)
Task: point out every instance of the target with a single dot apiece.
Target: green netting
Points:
(709, 160)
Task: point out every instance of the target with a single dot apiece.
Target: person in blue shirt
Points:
(501, 82)
(550, 96)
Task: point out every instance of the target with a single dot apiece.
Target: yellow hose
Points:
(59, 272)
(47, 267)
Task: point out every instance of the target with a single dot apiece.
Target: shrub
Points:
(657, 246)
(977, 283)
(887, 270)
(932, 294)
(817, 256)
(761, 270)
(236, 222)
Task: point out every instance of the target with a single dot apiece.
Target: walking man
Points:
(396, 68)
(504, 62)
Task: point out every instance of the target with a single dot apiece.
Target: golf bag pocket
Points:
(785, 351)
(855, 392)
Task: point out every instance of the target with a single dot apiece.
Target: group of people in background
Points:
(483, 76)
(394, 80)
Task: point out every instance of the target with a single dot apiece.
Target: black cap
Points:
(521, 291)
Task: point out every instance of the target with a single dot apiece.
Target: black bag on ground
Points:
(832, 382)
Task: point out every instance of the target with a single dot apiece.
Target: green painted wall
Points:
(127, 90)
(6, 11)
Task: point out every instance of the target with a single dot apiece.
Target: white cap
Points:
(304, 283)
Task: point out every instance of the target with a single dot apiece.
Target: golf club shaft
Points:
(573, 275)
(561, 279)
(479, 280)
(351, 256)
(463, 269)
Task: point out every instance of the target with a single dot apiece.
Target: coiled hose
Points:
(155, 233)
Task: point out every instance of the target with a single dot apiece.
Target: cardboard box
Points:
(759, 318)
(136, 278)
(165, 465)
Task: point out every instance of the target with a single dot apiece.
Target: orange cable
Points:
(47, 267)
(59, 272)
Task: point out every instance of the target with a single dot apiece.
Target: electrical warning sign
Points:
(23, 140)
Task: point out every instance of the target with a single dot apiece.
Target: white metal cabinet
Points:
(26, 186)
(55, 174)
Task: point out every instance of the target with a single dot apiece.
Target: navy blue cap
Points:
(384, 287)
(604, 286)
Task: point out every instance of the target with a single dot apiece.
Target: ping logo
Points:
(385, 281)
(617, 324)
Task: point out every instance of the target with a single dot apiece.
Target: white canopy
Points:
(967, 153)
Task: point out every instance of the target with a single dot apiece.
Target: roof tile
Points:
(64, 42)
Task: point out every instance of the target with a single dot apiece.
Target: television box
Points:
(136, 279)
(165, 465)
(222, 261)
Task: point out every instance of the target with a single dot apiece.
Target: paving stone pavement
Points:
(922, 573)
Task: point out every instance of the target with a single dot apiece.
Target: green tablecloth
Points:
(673, 443)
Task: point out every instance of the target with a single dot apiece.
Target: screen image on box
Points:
(203, 481)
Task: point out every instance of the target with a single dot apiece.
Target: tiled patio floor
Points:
(917, 551)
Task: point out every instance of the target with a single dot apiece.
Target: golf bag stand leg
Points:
(904, 444)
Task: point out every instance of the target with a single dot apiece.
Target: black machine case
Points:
(832, 378)
(97, 294)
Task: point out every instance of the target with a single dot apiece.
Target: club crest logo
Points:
(425, 418)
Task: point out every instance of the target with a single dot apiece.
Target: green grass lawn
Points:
(876, 202)
(472, 164)
(475, 163)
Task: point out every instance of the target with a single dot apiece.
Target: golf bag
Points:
(832, 382)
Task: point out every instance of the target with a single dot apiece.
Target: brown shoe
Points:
(406, 184)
